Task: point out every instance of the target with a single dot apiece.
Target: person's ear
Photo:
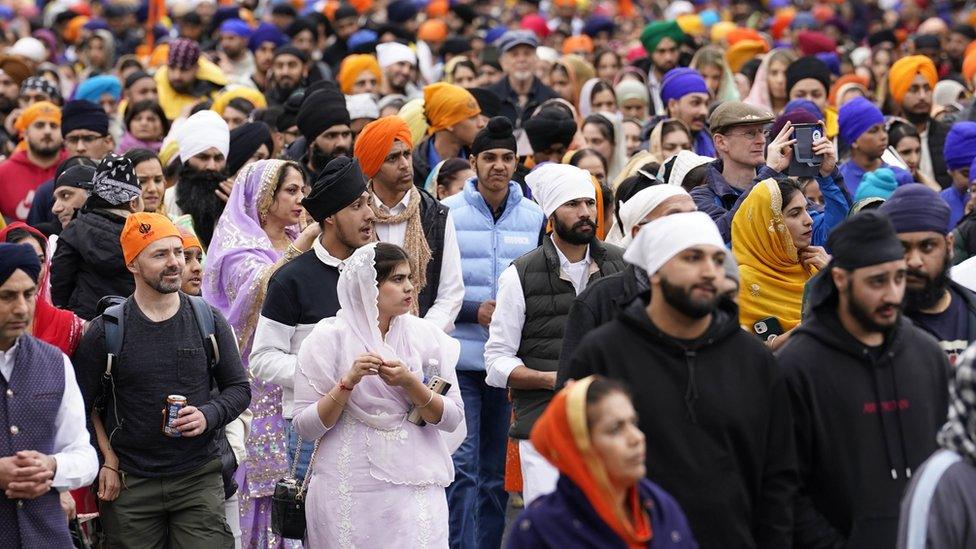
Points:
(839, 276)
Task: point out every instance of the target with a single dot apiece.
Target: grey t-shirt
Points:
(951, 519)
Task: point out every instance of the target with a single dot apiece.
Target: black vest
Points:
(548, 299)
(433, 218)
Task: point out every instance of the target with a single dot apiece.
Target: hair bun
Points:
(500, 126)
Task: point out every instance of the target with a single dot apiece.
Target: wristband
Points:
(342, 387)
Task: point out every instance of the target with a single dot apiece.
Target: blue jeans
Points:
(304, 457)
(477, 497)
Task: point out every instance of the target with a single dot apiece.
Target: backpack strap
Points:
(208, 330)
(113, 322)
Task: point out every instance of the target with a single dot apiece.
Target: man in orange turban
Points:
(412, 219)
(911, 81)
(359, 73)
(454, 119)
(35, 160)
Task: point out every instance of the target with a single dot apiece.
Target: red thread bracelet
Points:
(342, 387)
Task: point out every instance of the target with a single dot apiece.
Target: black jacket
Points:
(421, 168)
(863, 420)
(88, 263)
(936, 138)
(539, 93)
(717, 420)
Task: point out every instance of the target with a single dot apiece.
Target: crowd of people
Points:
(569, 273)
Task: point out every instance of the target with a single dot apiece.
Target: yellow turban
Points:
(446, 104)
(42, 110)
(903, 72)
(252, 95)
(722, 29)
(354, 65)
(691, 23)
(375, 141)
(744, 50)
(412, 112)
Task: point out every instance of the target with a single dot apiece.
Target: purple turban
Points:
(858, 116)
(916, 208)
(680, 82)
(960, 145)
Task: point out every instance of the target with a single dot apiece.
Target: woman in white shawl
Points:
(377, 479)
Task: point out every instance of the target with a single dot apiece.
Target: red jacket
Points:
(19, 178)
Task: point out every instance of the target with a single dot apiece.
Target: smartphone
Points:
(768, 328)
(806, 135)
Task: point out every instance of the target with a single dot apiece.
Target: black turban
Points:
(83, 115)
(135, 77)
(79, 176)
(293, 51)
(866, 239)
(497, 134)
(289, 115)
(75, 179)
(18, 256)
(340, 184)
(550, 126)
(245, 140)
(807, 67)
(488, 101)
(401, 11)
(320, 111)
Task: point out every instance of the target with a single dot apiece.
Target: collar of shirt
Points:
(399, 207)
(325, 257)
(566, 263)
(7, 361)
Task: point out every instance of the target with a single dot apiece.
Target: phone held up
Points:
(804, 163)
(768, 328)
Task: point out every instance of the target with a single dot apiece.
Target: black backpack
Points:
(113, 323)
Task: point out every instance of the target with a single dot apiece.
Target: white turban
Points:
(545, 53)
(553, 185)
(389, 53)
(362, 105)
(634, 210)
(681, 164)
(201, 131)
(667, 236)
(29, 47)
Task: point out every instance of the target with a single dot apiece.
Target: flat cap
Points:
(736, 113)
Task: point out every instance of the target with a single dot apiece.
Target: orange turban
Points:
(142, 229)
(375, 141)
(362, 6)
(738, 35)
(432, 30)
(575, 44)
(844, 81)
(354, 65)
(42, 110)
(744, 50)
(437, 8)
(969, 68)
(903, 72)
(72, 31)
(447, 104)
(190, 240)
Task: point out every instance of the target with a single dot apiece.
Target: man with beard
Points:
(935, 303)
(411, 218)
(236, 59)
(289, 73)
(520, 91)
(911, 81)
(24, 171)
(204, 142)
(708, 394)
(324, 122)
(265, 39)
(453, 119)
(534, 296)
(661, 40)
(187, 78)
(13, 72)
(397, 62)
(685, 94)
(339, 203)
(868, 391)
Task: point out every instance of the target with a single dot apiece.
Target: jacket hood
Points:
(95, 234)
(725, 323)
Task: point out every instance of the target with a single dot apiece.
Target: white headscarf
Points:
(362, 105)
(634, 210)
(667, 236)
(553, 185)
(201, 131)
(390, 53)
(681, 164)
(398, 451)
(616, 163)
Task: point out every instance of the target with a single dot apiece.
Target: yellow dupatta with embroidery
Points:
(771, 276)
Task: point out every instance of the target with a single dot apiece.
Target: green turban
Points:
(657, 31)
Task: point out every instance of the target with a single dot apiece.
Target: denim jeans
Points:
(304, 456)
(477, 497)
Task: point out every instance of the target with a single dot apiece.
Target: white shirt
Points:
(450, 292)
(965, 273)
(72, 449)
(925, 159)
(654, 86)
(274, 353)
(505, 330)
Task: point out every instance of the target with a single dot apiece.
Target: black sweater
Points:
(863, 419)
(717, 420)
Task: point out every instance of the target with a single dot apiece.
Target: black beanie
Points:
(83, 115)
(807, 67)
(320, 111)
(497, 134)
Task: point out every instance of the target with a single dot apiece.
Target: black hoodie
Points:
(717, 420)
(864, 420)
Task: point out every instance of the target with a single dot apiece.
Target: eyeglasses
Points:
(752, 135)
(86, 139)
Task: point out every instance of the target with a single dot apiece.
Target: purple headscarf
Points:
(241, 257)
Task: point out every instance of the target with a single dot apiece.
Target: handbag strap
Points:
(308, 471)
(298, 455)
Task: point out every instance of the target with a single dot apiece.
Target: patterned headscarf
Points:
(959, 432)
(115, 180)
(41, 84)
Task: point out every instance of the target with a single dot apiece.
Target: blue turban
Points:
(18, 256)
(266, 32)
(95, 87)
(494, 34)
(236, 27)
(806, 105)
(916, 208)
(804, 20)
(680, 82)
(960, 145)
(597, 24)
(858, 116)
(401, 11)
(831, 60)
(361, 37)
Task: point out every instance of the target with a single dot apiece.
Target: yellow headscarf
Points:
(771, 276)
(230, 93)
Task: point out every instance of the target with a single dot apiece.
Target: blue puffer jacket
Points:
(487, 248)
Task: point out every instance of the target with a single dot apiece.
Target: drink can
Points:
(174, 403)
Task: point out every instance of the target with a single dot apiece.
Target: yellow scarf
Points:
(771, 276)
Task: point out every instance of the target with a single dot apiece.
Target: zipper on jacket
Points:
(691, 392)
(878, 401)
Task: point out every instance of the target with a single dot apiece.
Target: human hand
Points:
(68, 505)
(33, 476)
(825, 148)
(780, 150)
(365, 365)
(485, 310)
(224, 189)
(190, 422)
(7, 471)
(396, 374)
(109, 480)
(307, 237)
(814, 257)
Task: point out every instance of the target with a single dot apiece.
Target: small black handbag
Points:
(288, 500)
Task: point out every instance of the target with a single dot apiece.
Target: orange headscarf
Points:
(561, 435)
(190, 240)
(375, 141)
(903, 72)
(42, 110)
(742, 51)
(447, 104)
(741, 33)
(578, 43)
(354, 65)
(142, 229)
